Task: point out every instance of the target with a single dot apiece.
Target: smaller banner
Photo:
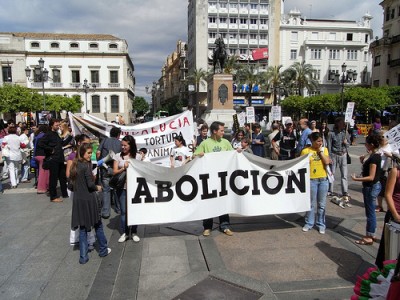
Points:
(217, 183)
(349, 112)
(250, 114)
(276, 113)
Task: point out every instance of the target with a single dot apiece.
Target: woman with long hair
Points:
(39, 153)
(319, 159)
(80, 139)
(85, 211)
(371, 172)
(324, 130)
(121, 163)
(237, 140)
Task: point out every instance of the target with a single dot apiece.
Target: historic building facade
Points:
(99, 60)
(386, 51)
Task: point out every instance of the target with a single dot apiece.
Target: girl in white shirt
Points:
(13, 143)
(181, 154)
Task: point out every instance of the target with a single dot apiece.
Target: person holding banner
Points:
(319, 159)
(215, 143)
(180, 155)
(121, 163)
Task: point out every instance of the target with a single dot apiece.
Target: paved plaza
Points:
(268, 257)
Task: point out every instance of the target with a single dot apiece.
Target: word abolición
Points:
(257, 184)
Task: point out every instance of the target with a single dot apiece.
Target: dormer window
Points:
(35, 45)
(94, 46)
(55, 45)
(74, 45)
(113, 46)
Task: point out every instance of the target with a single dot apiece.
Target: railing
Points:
(74, 85)
(56, 84)
(36, 84)
(113, 85)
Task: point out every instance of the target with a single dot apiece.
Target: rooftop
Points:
(62, 36)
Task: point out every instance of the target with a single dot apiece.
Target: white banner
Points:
(349, 112)
(276, 113)
(250, 114)
(393, 136)
(156, 136)
(216, 184)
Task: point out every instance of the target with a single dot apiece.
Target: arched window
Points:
(94, 46)
(55, 45)
(74, 45)
(35, 45)
(113, 46)
(95, 103)
(115, 104)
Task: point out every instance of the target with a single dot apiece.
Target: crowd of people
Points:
(66, 160)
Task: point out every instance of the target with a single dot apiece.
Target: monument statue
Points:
(219, 54)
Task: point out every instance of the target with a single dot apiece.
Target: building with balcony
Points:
(242, 24)
(70, 59)
(326, 45)
(386, 51)
(173, 86)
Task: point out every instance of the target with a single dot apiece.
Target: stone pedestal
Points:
(220, 99)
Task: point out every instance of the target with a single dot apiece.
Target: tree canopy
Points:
(16, 98)
(140, 105)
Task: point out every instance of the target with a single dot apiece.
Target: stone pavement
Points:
(268, 257)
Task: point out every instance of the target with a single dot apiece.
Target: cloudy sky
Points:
(151, 27)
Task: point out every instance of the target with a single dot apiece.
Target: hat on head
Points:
(288, 121)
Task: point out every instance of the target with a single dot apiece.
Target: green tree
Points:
(140, 105)
(294, 105)
(273, 80)
(231, 65)
(16, 98)
(303, 77)
(59, 103)
(248, 74)
(197, 78)
(368, 99)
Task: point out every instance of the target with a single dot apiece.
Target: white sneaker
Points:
(122, 238)
(135, 238)
(322, 231)
(306, 228)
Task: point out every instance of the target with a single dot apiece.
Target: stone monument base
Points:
(221, 115)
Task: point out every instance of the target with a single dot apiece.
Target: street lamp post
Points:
(105, 108)
(41, 75)
(86, 89)
(347, 77)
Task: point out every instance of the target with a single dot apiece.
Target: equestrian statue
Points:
(219, 54)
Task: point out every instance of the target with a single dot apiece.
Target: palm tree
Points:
(197, 77)
(249, 75)
(273, 79)
(231, 65)
(304, 76)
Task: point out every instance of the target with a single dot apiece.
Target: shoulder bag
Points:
(117, 181)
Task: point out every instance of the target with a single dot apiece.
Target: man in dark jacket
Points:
(112, 143)
(52, 145)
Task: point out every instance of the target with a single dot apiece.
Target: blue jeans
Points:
(105, 183)
(319, 191)
(25, 171)
(83, 243)
(123, 227)
(340, 161)
(370, 194)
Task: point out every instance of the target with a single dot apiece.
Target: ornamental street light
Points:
(86, 89)
(348, 76)
(105, 108)
(40, 74)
